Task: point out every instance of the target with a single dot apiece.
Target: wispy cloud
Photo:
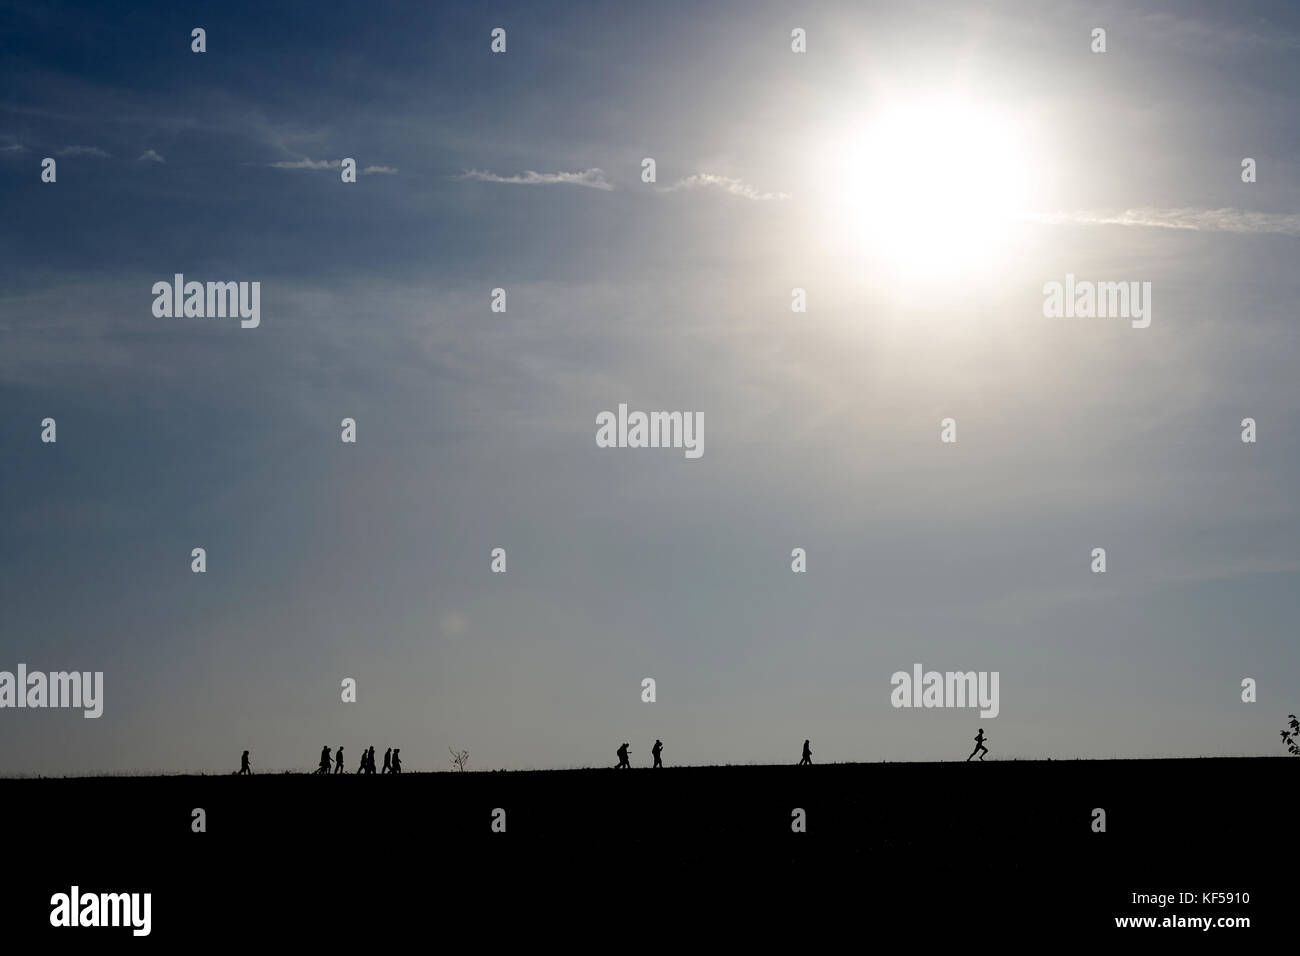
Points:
(1200, 220)
(150, 156)
(728, 184)
(82, 151)
(13, 148)
(593, 178)
(328, 164)
(307, 164)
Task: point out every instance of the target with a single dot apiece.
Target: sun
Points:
(931, 185)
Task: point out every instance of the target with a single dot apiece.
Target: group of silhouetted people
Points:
(393, 760)
(656, 751)
(804, 761)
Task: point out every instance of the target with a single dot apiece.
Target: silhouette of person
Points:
(979, 745)
(324, 761)
(370, 760)
(388, 761)
(807, 755)
(397, 760)
(361, 767)
(622, 758)
(657, 749)
(338, 761)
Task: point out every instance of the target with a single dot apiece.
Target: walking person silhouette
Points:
(622, 758)
(397, 760)
(807, 755)
(338, 761)
(324, 761)
(243, 765)
(979, 745)
(388, 761)
(657, 749)
(361, 767)
(370, 760)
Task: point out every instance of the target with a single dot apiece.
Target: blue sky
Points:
(476, 429)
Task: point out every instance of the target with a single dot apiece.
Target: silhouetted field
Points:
(1000, 843)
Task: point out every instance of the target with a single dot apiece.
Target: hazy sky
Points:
(476, 430)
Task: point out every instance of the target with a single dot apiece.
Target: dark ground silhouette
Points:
(888, 847)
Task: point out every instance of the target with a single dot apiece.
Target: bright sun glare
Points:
(932, 185)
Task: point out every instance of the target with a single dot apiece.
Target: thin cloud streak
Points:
(1199, 220)
(728, 184)
(307, 164)
(327, 164)
(593, 178)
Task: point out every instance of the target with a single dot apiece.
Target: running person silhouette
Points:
(807, 755)
(979, 745)
(243, 765)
